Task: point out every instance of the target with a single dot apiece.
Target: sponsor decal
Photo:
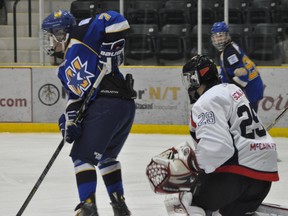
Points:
(13, 102)
(48, 94)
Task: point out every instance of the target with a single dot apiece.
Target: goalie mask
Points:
(55, 32)
(197, 71)
(174, 170)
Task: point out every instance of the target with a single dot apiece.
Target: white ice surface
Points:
(23, 158)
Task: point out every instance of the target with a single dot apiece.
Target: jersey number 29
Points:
(251, 125)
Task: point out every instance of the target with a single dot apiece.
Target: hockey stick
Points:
(277, 119)
(57, 151)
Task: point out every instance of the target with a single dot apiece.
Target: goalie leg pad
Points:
(180, 205)
(173, 205)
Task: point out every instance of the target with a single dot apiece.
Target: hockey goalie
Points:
(173, 173)
(176, 174)
(234, 161)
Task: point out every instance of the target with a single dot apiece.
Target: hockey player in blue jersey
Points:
(236, 67)
(92, 47)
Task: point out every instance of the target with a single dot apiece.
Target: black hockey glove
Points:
(69, 129)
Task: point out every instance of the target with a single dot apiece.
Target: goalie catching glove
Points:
(174, 170)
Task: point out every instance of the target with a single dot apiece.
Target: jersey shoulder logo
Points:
(232, 59)
(105, 16)
(78, 78)
(237, 94)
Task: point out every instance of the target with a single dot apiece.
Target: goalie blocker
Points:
(174, 170)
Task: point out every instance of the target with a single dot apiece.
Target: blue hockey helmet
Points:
(220, 35)
(219, 27)
(59, 20)
(55, 29)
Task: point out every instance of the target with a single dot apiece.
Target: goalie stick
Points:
(60, 146)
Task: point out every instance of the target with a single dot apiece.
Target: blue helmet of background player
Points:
(220, 35)
(55, 31)
(197, 71)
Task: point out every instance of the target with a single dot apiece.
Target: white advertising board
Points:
(275, 95)
(15, 95)
(161, 97)
(49, 99)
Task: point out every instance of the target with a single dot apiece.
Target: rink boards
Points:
(34, 96)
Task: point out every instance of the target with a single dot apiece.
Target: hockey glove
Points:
(174, 170)
(239, 82)
(240, 72)
(112, 55)
(69, 129)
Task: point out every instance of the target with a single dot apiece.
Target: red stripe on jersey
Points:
(192, 122)
(264, 176)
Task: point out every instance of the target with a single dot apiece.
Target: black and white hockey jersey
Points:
(230, 136)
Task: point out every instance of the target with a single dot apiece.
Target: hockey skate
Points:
(119, 206)
(87, 208)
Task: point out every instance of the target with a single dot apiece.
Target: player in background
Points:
(92, 47)
(236, 67)
(235, 158)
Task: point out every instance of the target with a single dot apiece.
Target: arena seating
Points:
(167, 29)
(155, 27)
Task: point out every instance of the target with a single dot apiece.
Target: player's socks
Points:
(111, 173)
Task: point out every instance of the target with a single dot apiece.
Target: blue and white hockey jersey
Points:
(80, 68)
(232, 58)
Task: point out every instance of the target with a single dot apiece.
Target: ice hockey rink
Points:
(24, 156)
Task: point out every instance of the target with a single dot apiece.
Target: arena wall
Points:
(32, 99)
